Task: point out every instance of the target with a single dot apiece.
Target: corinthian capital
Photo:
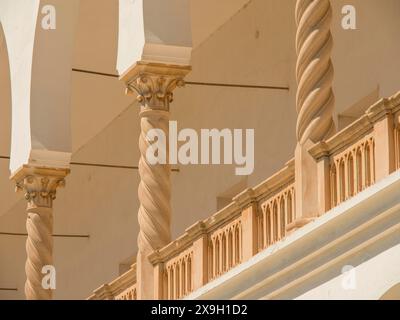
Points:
(39, 184)
(154, 83)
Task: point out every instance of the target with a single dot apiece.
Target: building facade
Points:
(84, 82)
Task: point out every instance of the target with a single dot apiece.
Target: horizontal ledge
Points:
(195, 83)
(232, 85)
(8, 289)
(85, 164)
(54, 235)
(96, 73)
(100, 165)
(110, 166)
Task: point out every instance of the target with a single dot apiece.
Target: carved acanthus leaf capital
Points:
(154, 91)
(154, 83)
(39, 185)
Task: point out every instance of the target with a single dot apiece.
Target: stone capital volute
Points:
(39, 184)
(154, 84)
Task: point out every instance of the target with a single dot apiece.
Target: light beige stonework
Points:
(154, 85)
(315, 99)
(39, 186)
(284, 232)
(259, 219)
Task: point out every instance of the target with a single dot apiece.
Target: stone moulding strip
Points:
(54, 235)
(222, 217)
(8, 289)
(364, 125)
(232, 85)
(154, 68)
(343, 139)
(31, 170)
(112, 166)
(276, 182)
(331, 245)
(366, 244)
(196, 83)
(329, 219)
(264, 190)
(100, 165)
(117, 286)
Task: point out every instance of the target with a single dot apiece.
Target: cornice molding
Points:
(110, 290)
(361, 217)
(357, 129)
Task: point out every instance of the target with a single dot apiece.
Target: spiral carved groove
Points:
(154, 189)
(39, 186)
(314, 70)
(154, 85)
(39, 248)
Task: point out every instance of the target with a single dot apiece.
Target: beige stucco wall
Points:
(255, 46)
(209, 15)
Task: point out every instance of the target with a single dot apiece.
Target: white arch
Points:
(5, 97)
(40, 71)
(154, 31)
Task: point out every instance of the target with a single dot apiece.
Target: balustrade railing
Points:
(177, 276)
(128, 294)
(225, 249)
(366, 151)
(122, 288)
(352, 170)
(359, 155)
(276, 214)
(214, 246)
(205, 251)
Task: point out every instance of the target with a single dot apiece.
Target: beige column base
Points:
(144, 276)
(306, 176)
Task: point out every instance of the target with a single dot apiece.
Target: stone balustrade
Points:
(359, 155)
(214, 246)
(352, 170)
(128, 294)
(177, 276)
(122, 288)
(276, 214)
(225, 248)
(349, 162)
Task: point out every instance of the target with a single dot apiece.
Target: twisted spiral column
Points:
(39, 186)
(314, 70)
(314, 103)
(153, 85)
(39, 249)
(155, 187)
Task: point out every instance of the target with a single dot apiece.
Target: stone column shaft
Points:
(314, 101)
(154, 85)
(39, 186)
